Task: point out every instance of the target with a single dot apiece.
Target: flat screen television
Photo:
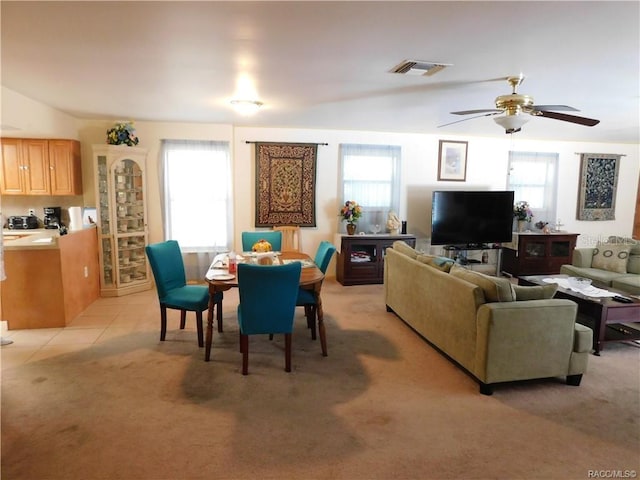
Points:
(471, 218)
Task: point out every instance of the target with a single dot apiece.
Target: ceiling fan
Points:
(517, 109)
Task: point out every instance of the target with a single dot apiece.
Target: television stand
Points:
(461, 253)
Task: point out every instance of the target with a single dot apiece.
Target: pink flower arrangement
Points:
(522, 211)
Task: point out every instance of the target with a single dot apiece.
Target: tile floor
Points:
(103, 320)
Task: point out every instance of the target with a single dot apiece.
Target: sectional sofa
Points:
(495, 331)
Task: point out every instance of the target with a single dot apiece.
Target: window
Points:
(197, 206)
(533, 178)
(370, 175)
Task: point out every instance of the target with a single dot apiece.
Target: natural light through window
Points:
(370, 176)
(197, 194)
(532, 177)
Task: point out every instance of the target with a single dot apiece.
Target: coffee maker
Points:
(52, 217)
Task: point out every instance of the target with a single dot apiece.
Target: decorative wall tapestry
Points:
(598, 184)
(286, 184)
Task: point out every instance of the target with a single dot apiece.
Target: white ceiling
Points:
(326, 64)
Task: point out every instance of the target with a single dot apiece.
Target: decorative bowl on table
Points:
(579, 283)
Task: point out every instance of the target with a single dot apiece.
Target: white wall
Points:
(486, 167)
(24, 117)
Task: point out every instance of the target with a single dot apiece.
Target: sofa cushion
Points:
(601, 277)
(611, 257)
(633, 265)
(443, 264)
(538, 292)
(495, 289)
(402, 247)
(627, 283)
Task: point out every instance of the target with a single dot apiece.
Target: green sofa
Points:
(474, 320)
(615, 263)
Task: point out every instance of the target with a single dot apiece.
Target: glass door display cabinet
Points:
(122, 219)
(538, 254)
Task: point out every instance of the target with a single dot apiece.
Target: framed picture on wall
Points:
(452, 161)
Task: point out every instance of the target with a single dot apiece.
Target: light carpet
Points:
(383, 405)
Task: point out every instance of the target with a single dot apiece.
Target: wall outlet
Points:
(32, 211)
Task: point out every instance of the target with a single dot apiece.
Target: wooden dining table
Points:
(311, 278)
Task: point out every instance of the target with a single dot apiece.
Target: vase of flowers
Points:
(122, 133)
(523, 214)
(350, 213)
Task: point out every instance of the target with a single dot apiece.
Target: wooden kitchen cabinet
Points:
(32, 166)
(538, 254)
(65, 167)
(49, 284)
(361, 257)
(11, 166)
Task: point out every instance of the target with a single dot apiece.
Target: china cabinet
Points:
(122, 219)
(361, 257)
(34, 166)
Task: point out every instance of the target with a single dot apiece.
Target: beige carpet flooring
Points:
(105, 399)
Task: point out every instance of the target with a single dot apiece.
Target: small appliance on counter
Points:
(52, 219)
(23, 222)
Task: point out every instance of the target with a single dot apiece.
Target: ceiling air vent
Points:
(419, 67)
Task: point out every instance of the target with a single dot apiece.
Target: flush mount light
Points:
(511, 123)
(246, 107)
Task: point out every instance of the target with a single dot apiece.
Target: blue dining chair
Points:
(273, 237)
(306, 298)
(167, 266)
(267, 304)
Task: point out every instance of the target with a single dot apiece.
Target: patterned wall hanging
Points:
(286, 184)
(598, 184)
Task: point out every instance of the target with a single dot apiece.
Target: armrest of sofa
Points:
(524, 340)
(582, 257)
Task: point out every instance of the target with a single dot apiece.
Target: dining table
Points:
(220, 279)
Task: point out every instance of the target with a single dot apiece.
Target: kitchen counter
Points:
(37, 238)
(51, 279)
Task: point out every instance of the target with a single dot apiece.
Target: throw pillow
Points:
(541, 292)
(495, 289)
(611, 257)
(441, 263)
(402, 247)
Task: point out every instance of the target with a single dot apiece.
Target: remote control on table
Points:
(620, 299)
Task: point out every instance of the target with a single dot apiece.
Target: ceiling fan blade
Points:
(471, 112)
(588, 122)
(471, 118)
(557, 108)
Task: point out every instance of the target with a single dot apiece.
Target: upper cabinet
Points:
(32, 166)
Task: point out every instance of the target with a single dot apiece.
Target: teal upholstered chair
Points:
(167, 265)
(306, 298)
(273, 237)
(267, 304)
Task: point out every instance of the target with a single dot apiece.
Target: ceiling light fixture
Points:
(511, 123)
(246, 107)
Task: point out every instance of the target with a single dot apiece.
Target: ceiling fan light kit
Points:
(511, 123)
